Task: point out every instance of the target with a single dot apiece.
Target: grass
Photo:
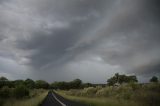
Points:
(36, 98)
(98, 101)
(131, 94)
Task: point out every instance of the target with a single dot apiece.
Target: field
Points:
(126, 92)
(35, 98)
(125, 95)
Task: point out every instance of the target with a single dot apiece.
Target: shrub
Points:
(107, 91)
(154, 79)
(74, 92)
(41, 84)
(21, 91)
(5, 92)
(90, 91)
(101, 92)
(1, 102)
(153, 87)
(134, 86)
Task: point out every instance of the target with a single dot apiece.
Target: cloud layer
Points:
(86, 39)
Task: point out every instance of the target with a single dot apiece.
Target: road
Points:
(53, 99)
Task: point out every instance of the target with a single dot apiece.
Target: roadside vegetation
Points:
(22, 93)
(121, 92)
(29, 92)
(35, 99)
(125, 95)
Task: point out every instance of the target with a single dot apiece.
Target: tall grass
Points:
(98, 101)
(35, 99)
(131, 94)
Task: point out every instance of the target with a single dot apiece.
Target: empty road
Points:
(53, 99)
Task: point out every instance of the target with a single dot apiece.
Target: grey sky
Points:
(86, 39)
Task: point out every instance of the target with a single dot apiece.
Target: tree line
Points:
(75, 84)
(38, 84)
(21, 88)
(120, 79)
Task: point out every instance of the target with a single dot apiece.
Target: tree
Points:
(154, 79)
(18, 82)
(117, 77)
(86, 85)
(41, 84)
(111, 81)
(5, 82)
(75, 84)
(121, 79)
(29, 83)
(21, 91)
(5, 92)
(3, 79)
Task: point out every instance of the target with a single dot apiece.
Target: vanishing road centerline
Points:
(53, 99)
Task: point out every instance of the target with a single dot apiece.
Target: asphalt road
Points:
(53, 99)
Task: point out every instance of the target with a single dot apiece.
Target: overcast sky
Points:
(56, 40)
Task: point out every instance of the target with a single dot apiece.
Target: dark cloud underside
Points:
(65, 39)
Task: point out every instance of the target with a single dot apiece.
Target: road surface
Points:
(53, 99)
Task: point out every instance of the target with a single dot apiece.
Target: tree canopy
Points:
(29, 83)
(3, 79)
(121, 79)
(154, 79)
(41, 84)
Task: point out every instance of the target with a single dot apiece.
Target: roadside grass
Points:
(35, 99)
(1, 101)
(98, 101)
(131, 94)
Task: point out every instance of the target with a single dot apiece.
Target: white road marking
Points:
(58, 100)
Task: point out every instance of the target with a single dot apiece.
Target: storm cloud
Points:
(86, 39)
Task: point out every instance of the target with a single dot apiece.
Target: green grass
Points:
(36, 98)
(131, 94)
(99, 101)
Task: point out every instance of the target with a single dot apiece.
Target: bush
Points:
(74, 92)
(153, 87)
(105, 92)
(21, 91)
(134, 86)
(1, 102)
(5, 92)
(90, 91)
(101, 92)
(41, 84)
(149, 94)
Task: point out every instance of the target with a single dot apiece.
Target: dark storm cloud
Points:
(131, 38)
(39, 33)
(147, 69)
(52, 46)
(54, 37)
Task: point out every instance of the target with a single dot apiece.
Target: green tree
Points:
(5, 92)
(117, 77)
(21, 91)
(86, 85)
(154, 79)
(41, 84)
(111, 81)
(121, 79)
(29, 83)
(3, 79)
(18, 82)
(75, 84)
(5, 82)
(60, 85)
